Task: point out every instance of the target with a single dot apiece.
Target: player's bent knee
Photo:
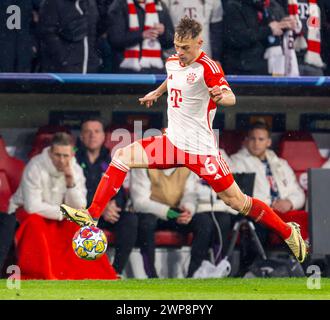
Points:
(123, 154)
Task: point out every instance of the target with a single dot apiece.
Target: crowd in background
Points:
(276, 37)
(151, 200)
(264, 37)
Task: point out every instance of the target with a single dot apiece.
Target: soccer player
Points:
(196, 86)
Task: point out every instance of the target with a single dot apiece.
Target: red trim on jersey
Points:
(211, 106)
(214, 67)
(205, 59)
(213, 73)
(201, 56)
(221, 70)
(173, 57)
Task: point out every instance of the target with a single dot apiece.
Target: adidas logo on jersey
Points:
(217, 176)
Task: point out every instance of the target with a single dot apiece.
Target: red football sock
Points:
(262, 213)
(108, 187)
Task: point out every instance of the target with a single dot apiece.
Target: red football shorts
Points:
(162, 154)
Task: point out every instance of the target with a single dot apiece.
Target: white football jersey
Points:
(204, 11)
(190, 109)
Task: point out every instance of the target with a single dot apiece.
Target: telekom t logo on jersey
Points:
(176, 96)
(191, 12)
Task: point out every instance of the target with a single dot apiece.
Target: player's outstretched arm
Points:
(153, 96)
(222, 97)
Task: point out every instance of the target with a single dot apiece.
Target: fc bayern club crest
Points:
(191, 77)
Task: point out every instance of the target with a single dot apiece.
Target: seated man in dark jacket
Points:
(138, 38)
(68, 31)
(94, 159)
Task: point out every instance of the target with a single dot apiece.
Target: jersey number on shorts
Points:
(176, 97)
(211, 168)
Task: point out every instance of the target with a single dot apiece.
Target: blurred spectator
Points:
(17, 44)
(166, 199)
(308, 42)
(208, 203)
(280, 53)
(246, 33)
(103, 8)
(36, 57)
(94, 159)
(207, 12)
(44, 240)
(307, 34)
(275, 182)
(68, 31)
(325, 34)
(139, 31)
(103, 45)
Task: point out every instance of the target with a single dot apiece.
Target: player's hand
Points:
(222, 97)
(150, 98)
(184, 217)
(282, 206)
(216, 94)
(112, 212)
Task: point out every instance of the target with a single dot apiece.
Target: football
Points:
(89, 243)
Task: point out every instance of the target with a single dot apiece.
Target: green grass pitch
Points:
(169, 289)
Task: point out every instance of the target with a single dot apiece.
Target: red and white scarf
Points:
(313, 43)
(149, 54)
(291, 62)
(282, 60)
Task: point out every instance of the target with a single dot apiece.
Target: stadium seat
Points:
(231, 140)
(5, 192)
(110, 236)
(40, 142)
(11, 170)
(168, 238)
(301, 152)
(43, 138)
(52, 129)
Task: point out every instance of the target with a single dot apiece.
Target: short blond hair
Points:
(61, 139)
(188, 28)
